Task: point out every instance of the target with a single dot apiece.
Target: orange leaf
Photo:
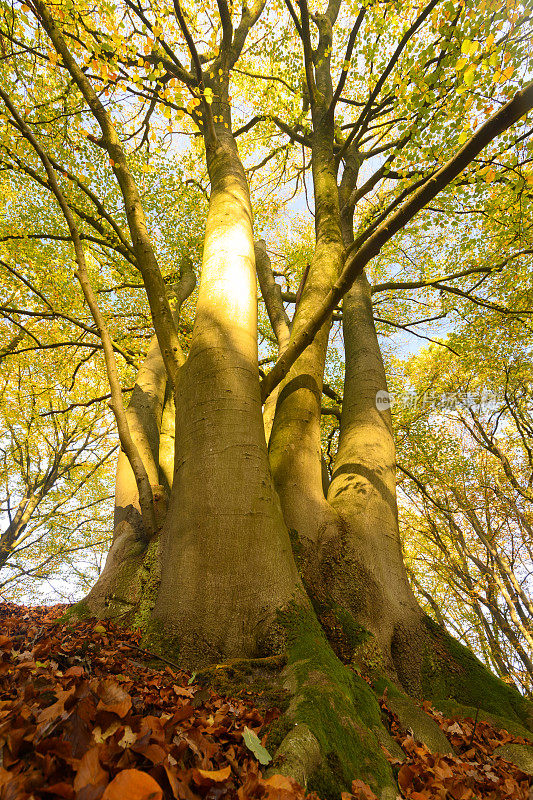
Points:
(75, 672)
(216, 775)
(362, 791)
(113, 698)
(90, 772)
(182, 691)
(133, 785)
(405, 777)
(281, 787)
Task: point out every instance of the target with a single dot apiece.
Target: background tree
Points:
(466, 459)
(55, 477)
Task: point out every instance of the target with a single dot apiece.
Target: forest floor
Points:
(87, 714)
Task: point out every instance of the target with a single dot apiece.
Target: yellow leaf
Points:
(468, 77)
(489, 177)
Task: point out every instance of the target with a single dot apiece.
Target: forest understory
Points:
(87, 713)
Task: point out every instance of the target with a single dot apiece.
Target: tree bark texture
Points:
(228, 565)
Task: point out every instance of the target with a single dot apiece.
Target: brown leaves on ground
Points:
(82, 717)
(474, 774)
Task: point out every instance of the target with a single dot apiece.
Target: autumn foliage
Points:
(85, 715)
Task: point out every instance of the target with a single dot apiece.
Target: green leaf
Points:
(251, 740)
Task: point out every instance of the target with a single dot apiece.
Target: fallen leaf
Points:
(75, 672)
(90, 771)
(183, 691)
(252, 742)
(362, 791)
(113, 698)
(129, 737)
(132, 784)
(214, 775)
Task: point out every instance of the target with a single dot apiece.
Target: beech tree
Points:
(226, 547)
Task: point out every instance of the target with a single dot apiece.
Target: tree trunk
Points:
(295, 446)
(363, 492)
(118, 589)
(227, 568)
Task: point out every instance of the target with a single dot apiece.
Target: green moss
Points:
(343, 632)
(297, 547)
(368, 657)
(338, 706)
(325, 780)
(75, 613)
(354, 633)
(277, 731)
(451, 672)
(157, 638)
(149, 577)
(264, 686)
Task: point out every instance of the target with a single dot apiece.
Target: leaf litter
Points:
(83, 718)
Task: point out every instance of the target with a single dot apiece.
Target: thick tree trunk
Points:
(295, 446)
(278, 319)
(228, 567)
(374, 585)
(167, 442)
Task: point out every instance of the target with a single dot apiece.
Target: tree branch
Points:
(356, 261)
(146, 259)
(146, 500)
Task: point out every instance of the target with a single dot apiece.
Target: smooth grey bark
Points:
(227, 566)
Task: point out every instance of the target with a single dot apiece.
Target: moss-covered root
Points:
(457, 682)
(334, 718)
(298, 755)
(411, 717)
